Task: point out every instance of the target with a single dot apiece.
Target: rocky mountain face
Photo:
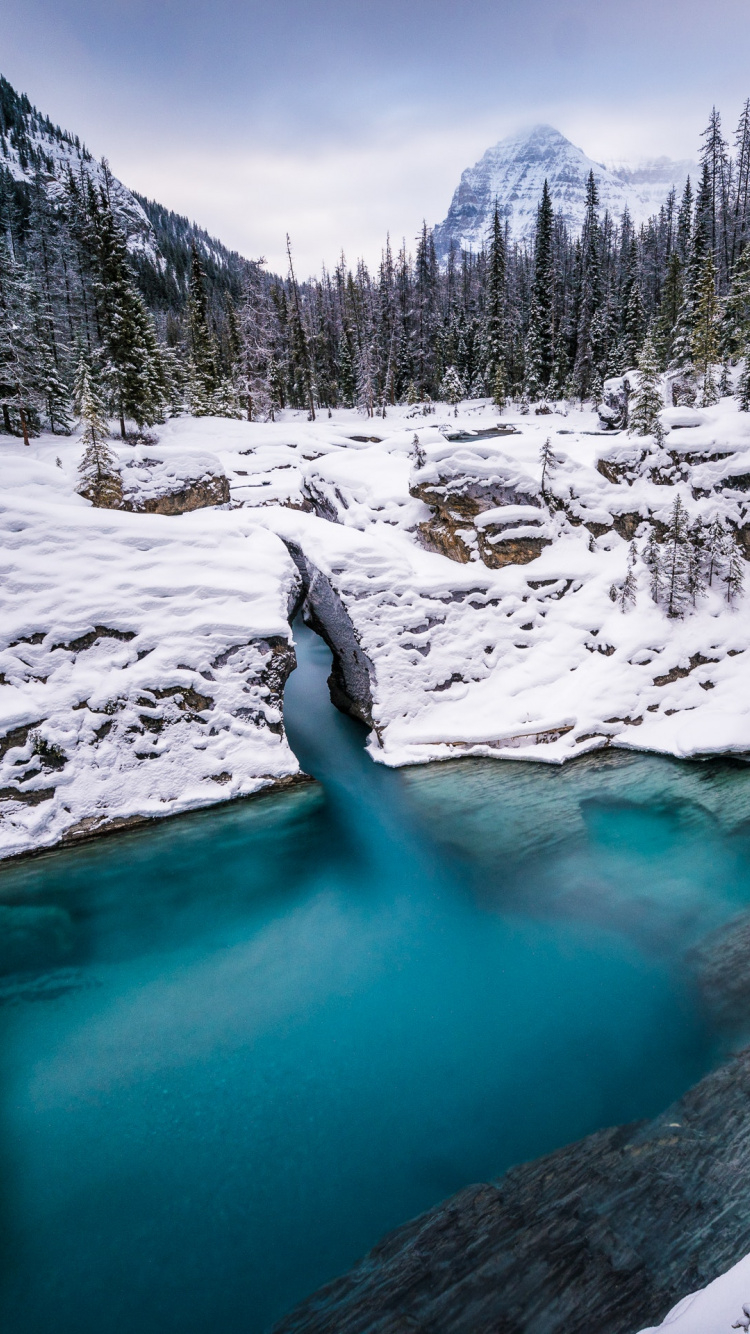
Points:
(35, 153)
(512, 173)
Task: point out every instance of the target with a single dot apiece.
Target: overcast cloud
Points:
(339, 121)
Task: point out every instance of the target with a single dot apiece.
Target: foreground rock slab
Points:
(604, 1235)
(142, 663)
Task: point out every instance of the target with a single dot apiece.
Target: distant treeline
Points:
(178, 323)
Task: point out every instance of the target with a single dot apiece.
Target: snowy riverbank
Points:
(467, 599)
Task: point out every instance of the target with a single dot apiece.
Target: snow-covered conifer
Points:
(705, 332)
(629, 591)
(713, 547)
(548, 462)
(203, 371)
(100, 478)
(647, 401)
(733, 576)
(676, 561)
(742, 392)
(452, 389)
(652, 559)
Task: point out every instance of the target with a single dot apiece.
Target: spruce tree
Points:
(21, 370)
(548, 462)
(647, 402)
(203, 375)
(541, 336)
(672, 297)
(131, 363)
(713, 546)
(742, 392)
(735, 323)
(629, 591)
(589, 293)
(495, 309)
(705, 331)
(100, 478)
(302, 383)
(652, 559)
(695, 555)
(676, 561)
(452, 389)
(734, 567)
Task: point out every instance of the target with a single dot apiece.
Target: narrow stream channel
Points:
(239, 1047)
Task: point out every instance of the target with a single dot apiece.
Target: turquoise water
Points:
(239, 1047)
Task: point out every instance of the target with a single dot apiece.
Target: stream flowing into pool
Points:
(240, 1046)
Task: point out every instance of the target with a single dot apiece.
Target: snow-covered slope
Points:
(32, 148)
(142, 658)
(721, 1307)
(143, 654)
(512, 174)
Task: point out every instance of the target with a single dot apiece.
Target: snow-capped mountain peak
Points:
(512, 174)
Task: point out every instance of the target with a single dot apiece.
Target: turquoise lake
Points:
(240, 1046)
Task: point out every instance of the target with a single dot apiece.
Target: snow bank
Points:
(531, 660)
(717, 1309)
(141, 659)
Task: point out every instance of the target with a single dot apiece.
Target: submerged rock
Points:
(33, 936)
(602, 1235)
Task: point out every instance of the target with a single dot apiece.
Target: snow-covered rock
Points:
(468, 606)
(142, 663)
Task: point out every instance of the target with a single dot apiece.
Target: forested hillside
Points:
(102, 286)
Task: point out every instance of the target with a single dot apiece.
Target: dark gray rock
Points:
(353, 673)
(604, 1235)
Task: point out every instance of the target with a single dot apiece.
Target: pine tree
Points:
(302, 384)
(735, 324)
(548, 462)
(628, 593)
(672, 297)
(21, 381)
(713, 546)
(652, 559)
(131, 364)
(647, 402)
(203, 375)
(743, 385)
(705, 332)
(741, 207)
(696, 584)
(498, 386)
(100, 479)
(589, 292)
(734, 567)
(452, 389)
(676, 561)
(495, 309)
(540, 341)
(633, 314)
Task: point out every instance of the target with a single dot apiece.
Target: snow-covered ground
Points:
(528, 660)
(719, 1308)
(140, 656)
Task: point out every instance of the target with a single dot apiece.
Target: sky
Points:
(339, 121)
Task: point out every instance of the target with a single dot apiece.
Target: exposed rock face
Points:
(353, 673)
(492, 514)
(210, 490)
(512, 174)
(722, 966)
(153, 486)
(603, 1235)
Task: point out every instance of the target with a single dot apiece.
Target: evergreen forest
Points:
(177, 323)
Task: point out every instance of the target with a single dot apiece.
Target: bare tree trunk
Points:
(24, 427)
